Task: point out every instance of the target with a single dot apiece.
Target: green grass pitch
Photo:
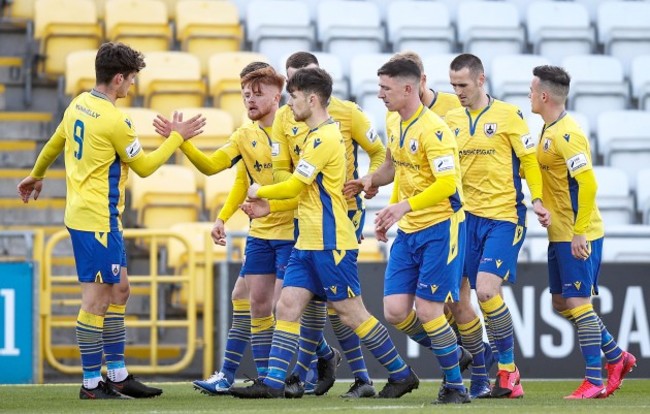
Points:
(541, 397)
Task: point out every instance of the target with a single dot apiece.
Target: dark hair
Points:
(555, 78)
(401, 67)
(410, 55)
(253, 66)
(312, 80)
(300, 60)
(467, 60)
(266, 75)
(113, 58)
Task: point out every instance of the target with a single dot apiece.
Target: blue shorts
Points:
(99, 256)
(328, 274)
(427, 263)
(493, 247)
(358, 219)
(573, 278)
(265, 257)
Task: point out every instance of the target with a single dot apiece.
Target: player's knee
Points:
(485, 293)
(559, 304)
(395, 314)
(120, 293)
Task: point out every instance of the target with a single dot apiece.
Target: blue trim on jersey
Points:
(114, 174)
(329, 222)
(455, 202)
(355, 173)
(519, 195)
(472, 126)
(573, 193)
(235, 161)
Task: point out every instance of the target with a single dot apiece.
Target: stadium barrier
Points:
(60, 301)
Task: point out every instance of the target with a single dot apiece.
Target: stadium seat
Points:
(166, 197)
(276, 34)
(171, 80)
(223, 80)
(510, 77)
(142, 24)
(332, 64)
(643, 194)
(205, 27)
(343, 33)
(61, 32)
(489, 28)
(437, 69)
(364, 85)
(557, 29)
(592, 9)
(640, 78)
(178, 258)
(216, 189)
(423, 27)
(624, 140)
(597, 84)
(613, 198)
(624, 29)
(626, 243)
(142, 119)
(217, 129)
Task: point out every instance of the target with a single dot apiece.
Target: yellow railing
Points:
(52, 286)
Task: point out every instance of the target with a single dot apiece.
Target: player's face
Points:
(259, 101)
(124, 84)
(291, 71)
(467, 86)
(299, 104)
(392, 91)
(535, 96)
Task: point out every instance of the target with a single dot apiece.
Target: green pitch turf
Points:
(541, 397)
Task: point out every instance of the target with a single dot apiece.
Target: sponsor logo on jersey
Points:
(371, 135)
(305, 169)
(576, 162)
(133, 149)
(317, 142)
(439, 135)
(444, 163)
(527, 141)
(275, 149)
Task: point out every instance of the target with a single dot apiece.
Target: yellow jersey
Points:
(252, 144)
(490, 142)
(322, 209)
(99, 143)
(563, 152)
(423, 148)
(443, 102)
(289, 136)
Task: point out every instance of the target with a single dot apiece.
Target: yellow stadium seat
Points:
(224, 82)
(205, 27)
(142, 24)
(166, 197)
(216, 189)
(171, 80)
(217, 130)
(80, 76)
(65, 26)
(21, 10)
(371, 251)
(143, 123)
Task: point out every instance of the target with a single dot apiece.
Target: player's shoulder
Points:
(455, 113)
(506, 108)
(570, 130)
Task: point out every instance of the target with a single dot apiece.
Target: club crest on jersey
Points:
(490, 129)
(413, 145)
(115, 268)
(294, 130)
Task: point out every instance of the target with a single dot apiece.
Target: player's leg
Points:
(238, 338)
(299, 288)
(96, 278)
(501, 247)
(338, 271)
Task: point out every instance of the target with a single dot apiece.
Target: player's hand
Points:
(390, 215)
(28, 186)
(252, 191)
(162, 125)
(371, 192)
(380, 234)
(218, 233)
(543, 215)
(190, 128)
(354, 187)
(256, 208)
(580, 247)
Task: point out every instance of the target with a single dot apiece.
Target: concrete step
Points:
(39, 212)
(18, 154)
(16, 125)
(11, 70)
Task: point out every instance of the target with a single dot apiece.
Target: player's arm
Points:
(394, 196)
(587, 188)
(365, 135)
(288, 189)
(280, 152)
(237, 194)
(33, 183)
(225, 157)
(130, 151)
